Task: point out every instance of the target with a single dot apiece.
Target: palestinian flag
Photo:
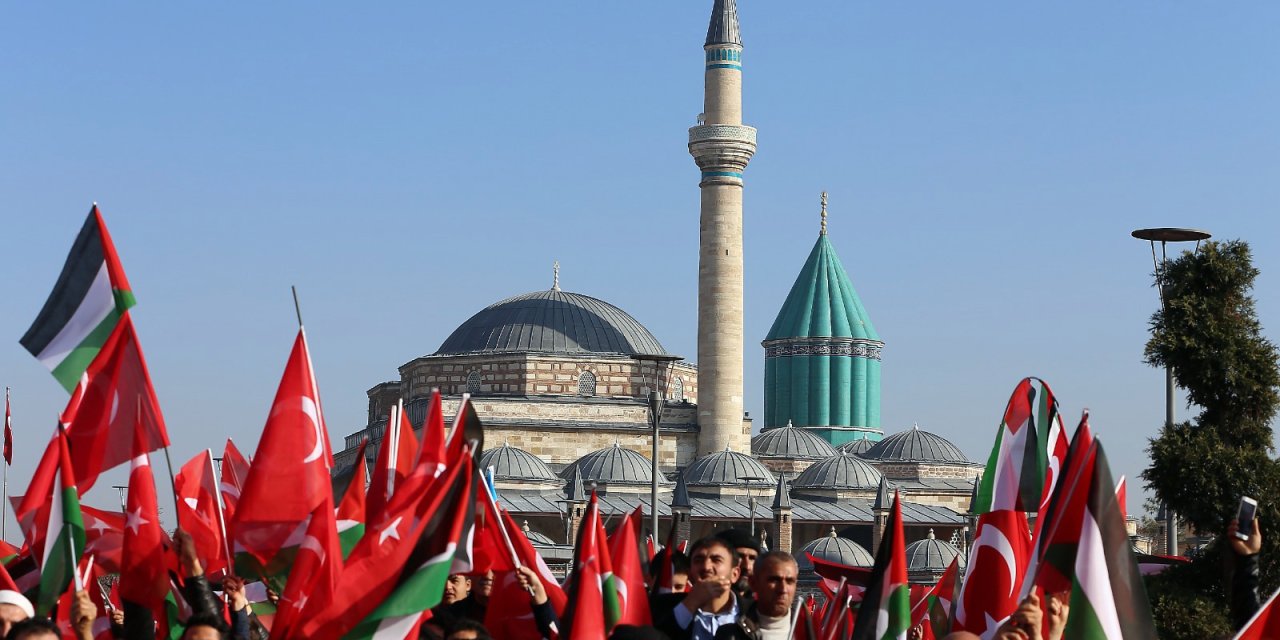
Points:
(85, 305)
(1108, 598)
(351, 511)
(939, 603)
(1058, 527)
(63, 539)
(885, 612)
(1018, 469)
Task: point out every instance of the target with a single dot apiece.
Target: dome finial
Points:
(824, 213)
(931, 537)
(789, 422)
(833, 531)
(555, 276)
(915, 426)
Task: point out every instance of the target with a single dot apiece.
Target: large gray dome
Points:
(613, 465)
(932, 555)
(510, 463)
(856, 447)
(728, 468)
(841, 471)
(833, 548)
(551, 322)
(915, 445)
(791, 442)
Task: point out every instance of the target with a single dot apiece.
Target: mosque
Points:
(566, 405)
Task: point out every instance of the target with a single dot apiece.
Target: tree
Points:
(1207, 331)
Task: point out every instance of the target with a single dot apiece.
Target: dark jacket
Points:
(1244, 590)
(746, 628)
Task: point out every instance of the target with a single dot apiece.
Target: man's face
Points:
(201, 632)
(456, 588)
(713, 562)
(679, 582)
(747, 561)
(9, 614)
(483, 586)
(464, 634)
(775, 587)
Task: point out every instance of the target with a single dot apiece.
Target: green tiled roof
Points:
(822, 302)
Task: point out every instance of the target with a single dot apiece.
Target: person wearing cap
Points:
(14, 608)
(747, 547)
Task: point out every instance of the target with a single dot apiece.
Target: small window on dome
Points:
(473, 383)
(677, 390)
(586, 384)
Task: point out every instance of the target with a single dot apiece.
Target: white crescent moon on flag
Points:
(309, 409)
(994, 538)
(310, 543)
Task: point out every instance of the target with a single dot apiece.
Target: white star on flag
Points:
(390, 531)
(134, 520)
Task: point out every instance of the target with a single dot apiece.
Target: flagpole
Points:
(173, 482)
(4, 506)
(795, 617)
(222, 518)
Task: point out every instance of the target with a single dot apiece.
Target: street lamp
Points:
(662, 363)
(1165, 235)
(751, 499)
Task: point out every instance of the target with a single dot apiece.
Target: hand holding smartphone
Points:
(1244, 517)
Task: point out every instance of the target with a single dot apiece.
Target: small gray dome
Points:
(510, 463)
(728, 468)
(535, 538)
(932, 555)
(841, 471)
(790, 442)
(856, 447)
(551, 322)
(833, 548)
(613, 465)
(915, 445)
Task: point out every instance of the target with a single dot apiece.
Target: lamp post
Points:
(751, 499)
(1165, 235)
(662, 363)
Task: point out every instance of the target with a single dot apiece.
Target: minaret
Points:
(722, 146)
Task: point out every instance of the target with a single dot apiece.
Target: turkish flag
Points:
(997, 563)
(432, 449)
(585, 618)
(396, 459)
(235, 469)
(104, 537)
(509, 614)
(143, 577)
(114, 398)
(290, 474)
(198, 511)
(315, 571)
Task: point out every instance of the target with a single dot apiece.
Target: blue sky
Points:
(406, 164)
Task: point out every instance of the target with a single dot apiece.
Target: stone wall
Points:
(529, 374)
(563, 446)
(921, 471)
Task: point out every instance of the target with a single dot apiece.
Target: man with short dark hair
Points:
(748, 548)
(710, 603)
(468, 630)
(769, 617)
(34, 629)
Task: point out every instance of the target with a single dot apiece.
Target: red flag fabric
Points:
(1122, 497)
(488, 546)
(585, 615)
(624, 552)
(235, 469)
(104, 537)
(419, 519)
(397, 456)
(114, 398)
(997, 563)
(143, 577)
(1265, 624)
(946, 592)
(509, 614)
(433, 436)
(8, 430)
(665, 580)
(290, 474)
(315, 573)
(804, 628)
(1058, 528)
(198, 512)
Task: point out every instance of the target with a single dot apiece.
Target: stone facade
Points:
(926, 471)
(527, 374)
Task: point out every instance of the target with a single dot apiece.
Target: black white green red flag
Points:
(1027, 456)
(885, 613)
(91, 295)
(1108, 597)
(63, 537)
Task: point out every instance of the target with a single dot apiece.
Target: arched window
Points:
(586, 384)
(473, 382)
(677, 390)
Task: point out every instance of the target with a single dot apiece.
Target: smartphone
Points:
(1244, 516)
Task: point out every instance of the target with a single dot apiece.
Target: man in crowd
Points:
(773, 581)
(14, 608)
(748, 549)
(679, 570)
(711, 602)
(474, 606)
(456, 588)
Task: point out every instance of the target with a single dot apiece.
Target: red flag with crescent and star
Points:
(998, 561)
(289, 477)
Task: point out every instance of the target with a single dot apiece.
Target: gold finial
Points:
(555, 277)
(824, 213)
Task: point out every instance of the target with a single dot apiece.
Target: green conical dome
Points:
(822, 355)
(822, 302)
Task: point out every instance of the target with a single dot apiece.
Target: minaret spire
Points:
(824, 214)
(724, 24)
(722, 146)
